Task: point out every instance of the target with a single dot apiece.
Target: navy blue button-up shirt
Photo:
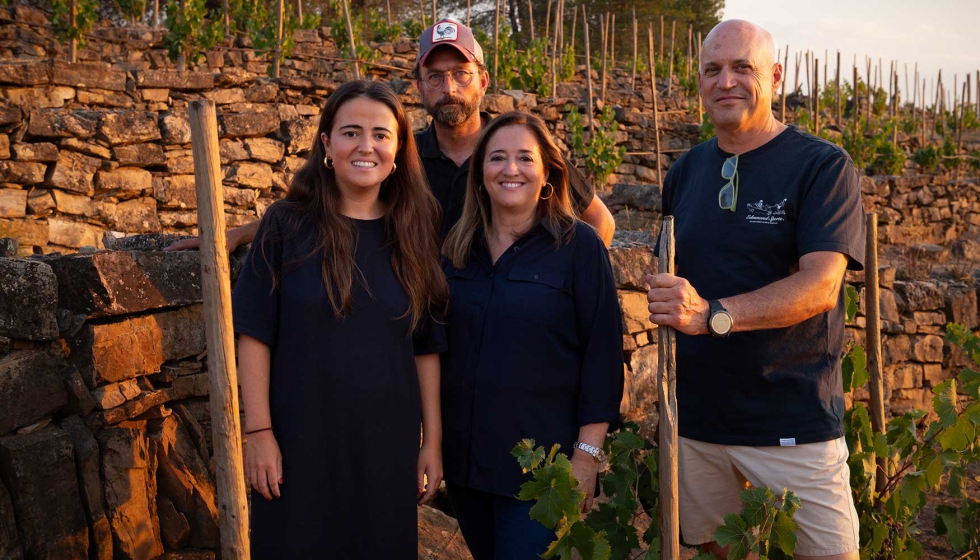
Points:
(535, 351)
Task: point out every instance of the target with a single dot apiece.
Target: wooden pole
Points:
(656, 115)
(782, 96)
(299, 10)
(670, 68)
(496, 47)
(181, 55)
(816, 96)
(796, 72)
(435, 14)
(156, 14)
(530, 18)
(554, 51)
(73, 43)
(660, 56)
(350, 37)
(588, 73)
(547, 20)
(633, 79)
(216, 288)
(612, 42)
(690, 40)
(468, 13)
(873, 331)
(856, 109)
(837, 92)
(387, 9)
(604, 27)
(868, 90)
(906, 64)
(959, 127)
(698, 92)
(574, 29)
(277, 53)
(809, 89)
(669, 513)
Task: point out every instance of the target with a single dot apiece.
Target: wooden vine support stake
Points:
(350, 37)
(299, 9)
(796, 72)
(588, 72)
(690, 48)
(669, 514)
(837, 92)
(496, 47)
(277, 53)
(856, 109)
(869, 91)
(422, 12)
(216, 288)
(73, 43)
(530, 18)
(670, 68)
(873, 332)
(809, 89)
(959, 127)
(660, 55)
(574, 29)
(468, 13)
(387, 9)
(698, 93)
(816, 96)
(604, 32)
(633, 79)
(554, 49)
(656, 115)
(547, 20)
(435, 14)
(612, 41)
(782, 95)
(156, 15)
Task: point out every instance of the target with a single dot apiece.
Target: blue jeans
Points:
(498, 527)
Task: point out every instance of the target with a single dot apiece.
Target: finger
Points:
(664, 320)
(420, 480)
(273, 477)
(261, 484)
(665, 280)
(432, 488)
(279, 469)
(588, 503)
(649, 280)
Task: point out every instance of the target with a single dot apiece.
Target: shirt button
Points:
(535, 276)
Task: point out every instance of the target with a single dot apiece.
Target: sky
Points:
(938, 34)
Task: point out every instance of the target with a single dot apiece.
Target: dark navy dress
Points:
(344, 398)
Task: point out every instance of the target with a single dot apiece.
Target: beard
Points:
(452, 111)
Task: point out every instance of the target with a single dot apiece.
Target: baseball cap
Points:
(452, 34)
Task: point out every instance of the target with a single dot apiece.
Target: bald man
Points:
(767, 219)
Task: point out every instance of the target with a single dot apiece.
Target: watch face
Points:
(721, 323)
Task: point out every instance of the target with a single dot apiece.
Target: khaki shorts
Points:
(711, 477)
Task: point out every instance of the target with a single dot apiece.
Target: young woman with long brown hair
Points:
(337, 310)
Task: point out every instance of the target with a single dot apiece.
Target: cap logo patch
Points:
(445, 32)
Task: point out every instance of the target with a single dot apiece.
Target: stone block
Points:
(180, 162)
(920, 296)
(115, 394)
(139, 155)
(640, 385)
(253, 123)
(74, 234)
(40, 201)
(25, 73)
(896, 349)
(129, 127)
(196, 385)
(10, 115)
(136, 216)
(88, 148)
(130, 489)
(935, 374)
(104, 98)
(929, 318)
(80, 401)
(9, 540)
(22, 172)
(39, 472)
(38, 97)
(124, 283)
(171, 79)
(13, 203)
(298, 135)
(961, 306)
(636, 314)
(225, 96)
(95, 75)
(174, 528)
(906, 376)
(231, 149)
(928, 348)
(631, 262)
(74, 204)
(439, 536)
(249, 174)
(184, 478)
(176, 191)
(155, 95)
(136, 346)
(40, 151)
(88, 465)
(4, 146)
(26, 231)
(31, 387)
(265, 149)
(638, 197)
(124, 180)
(175, 128)
(499, 103)
(28, 300)
(62, 124)
(73, 172)
(244, 198)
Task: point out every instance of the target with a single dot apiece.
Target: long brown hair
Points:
(411, 218)
(555, 211)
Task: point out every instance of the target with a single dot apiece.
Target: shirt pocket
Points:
(465, 295)
(540, 296)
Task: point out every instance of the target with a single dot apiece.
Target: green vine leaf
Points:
(854, 369)
(735, 533)
(554, 489)
(784, 533)
(944, 402)
(527, 456)
(853, 299)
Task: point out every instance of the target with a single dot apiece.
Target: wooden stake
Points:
(604, 25)
(350, 37)
(782, 96)
(856, 108)
(816, 96)
(796, 72)
(422, 11)
(299, 10)
(633, 79)
(868, 90)
(809, 90)
(837, 90)
(277, 53)
(588, 72)
(670, 68)
(660, 56)
(554, 51)
(574, 29)
(435, 15)
(612, 42)
(156, 14)
(220, 335)
(547, 20)
(698, 93)
(873, 332)
(690, 39)
(387, 9)
(906, 64)
(496, 47)
(73, 43)
(656, 114)
(468, 13)
(667, 388)
(530, 18)
(959, 128)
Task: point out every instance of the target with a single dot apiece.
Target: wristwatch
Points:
(597, 453)
(720, 320)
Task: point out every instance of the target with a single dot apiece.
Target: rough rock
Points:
(439, 537)
(31, 387)
(123, 282)
(10, 115)
(136, 216)
(9, 540)
(265, 149)
(139, 155)
(248, 174)
(171, 79)
(640, 197)
(129, 127)
(135, 346)
(74, 234)
(176, 191)
(88, 466)
(88, 148)
(174, 528)
(124, 180)
(130, 488)
(298, 135)
(640, 387)
(74, 204)
(39, 472)
(184, 478)
(28, 300)
(22, 172)
(259, 121)
(4, 146)
(13, 203)
(961, 306)
(631, 262)
(93, 75)
(928, 349)
(635, 312)
(80, 401)
(175, 128)
(920, 296)
(73, 172)
(40, 151)
(115, 394)
(26, 231)
(25, 73)
(61, 124)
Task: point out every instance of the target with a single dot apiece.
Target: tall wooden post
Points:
(530, 18)
(612, 42)
(604, 28)
(350, 37)
(277, 54)
(656, 116)
(588, 73)
(633, 80)
(496, 47)
(837, 93)
(660, 56)
(554, 49)
(216, 287)
(670, 546)
(670, 67)
(873, 330)
(816, 96)
(435, 14)
(387, 10)
(299, 10)
(856, 109)
(782, 95)
(73, 44)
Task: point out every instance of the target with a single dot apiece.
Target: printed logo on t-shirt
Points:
(787, 442)
(762, 213)
(445, 32)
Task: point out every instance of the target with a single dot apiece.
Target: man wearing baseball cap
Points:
(452, 80)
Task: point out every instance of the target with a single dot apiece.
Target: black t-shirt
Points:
(448, 181)
(797, 194)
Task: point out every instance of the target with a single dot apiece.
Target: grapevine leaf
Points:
(973, 413)
(934, 473)
(944, 402)
(703, 556)
(878, 534)
(620, 535)
(784, 533)
(734, 532)
(589, 544)
(757, 503)
(971, 383)
(555, 490)
(962, 337)
(955, 485)
(854, 369)
(618, 484)
(852, 304)
(959, 436)
(562, 545)
(527, 455)
(653, 553)
(912, 488)
(881, 445)
(948, 523)
(791, 503)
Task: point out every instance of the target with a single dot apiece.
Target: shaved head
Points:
(761, 41)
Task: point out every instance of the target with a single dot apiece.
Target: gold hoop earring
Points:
(394, 166)
(328, 162)
(551, 192)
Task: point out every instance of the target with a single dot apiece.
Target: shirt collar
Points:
(428, 143)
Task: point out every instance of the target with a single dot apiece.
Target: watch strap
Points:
(596, 452)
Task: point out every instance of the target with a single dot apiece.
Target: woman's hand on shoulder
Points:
(263, 464)
(585, 469)
(429, 473)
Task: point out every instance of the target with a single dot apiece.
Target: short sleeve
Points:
(580, 189)
(831, 217)
(600, 329)
(255, 302)
(430, 336)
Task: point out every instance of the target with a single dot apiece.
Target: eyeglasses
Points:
(728, 195)
(434, 81)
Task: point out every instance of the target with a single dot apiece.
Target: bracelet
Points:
(257, 431)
